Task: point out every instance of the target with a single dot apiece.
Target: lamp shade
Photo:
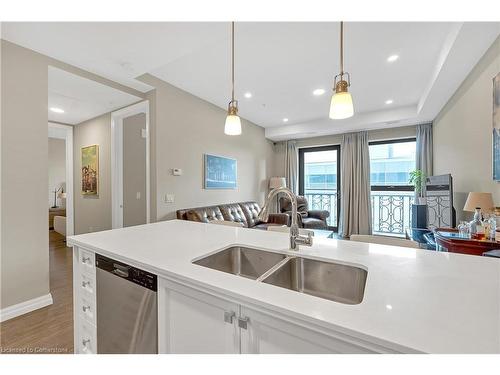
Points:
(341, 106)
(277, 182)
(482, 200)
(233, 125)
(62, 195)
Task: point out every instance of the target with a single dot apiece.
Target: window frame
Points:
(392, 187)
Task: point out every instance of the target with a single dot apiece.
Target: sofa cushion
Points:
(233, 212)
(204, 214)
(313, 223)
(251, 211)
(264, 226)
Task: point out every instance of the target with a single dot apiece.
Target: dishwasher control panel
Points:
(125, 271)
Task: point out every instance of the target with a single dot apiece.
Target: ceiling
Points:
(82, 99)
(280, 63)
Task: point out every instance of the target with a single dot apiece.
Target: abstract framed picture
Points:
(220, 172)
(496, 128)
(90, 170)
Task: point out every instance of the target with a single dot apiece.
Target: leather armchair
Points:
(310, 219)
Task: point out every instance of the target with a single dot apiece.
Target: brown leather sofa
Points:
(309, 219)
(242, 212)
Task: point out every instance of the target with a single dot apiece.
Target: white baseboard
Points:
(25, 307)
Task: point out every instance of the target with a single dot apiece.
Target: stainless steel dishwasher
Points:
(127, 313)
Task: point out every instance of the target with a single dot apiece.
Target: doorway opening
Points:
(60, 189)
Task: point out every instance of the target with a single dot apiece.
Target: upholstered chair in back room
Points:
(309, 219)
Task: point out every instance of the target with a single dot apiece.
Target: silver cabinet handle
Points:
(243, 322)
(120, 273)
(228, 316)
(85, 308)
(85, 342)
(86, 260)
(85, 283)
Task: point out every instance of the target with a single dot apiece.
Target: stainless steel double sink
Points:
(333, 281)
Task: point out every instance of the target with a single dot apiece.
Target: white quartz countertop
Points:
(415, 300)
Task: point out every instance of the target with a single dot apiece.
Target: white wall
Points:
(24, 147)
(463, 133)
(93, 212)
(185, 128)
(57, 169)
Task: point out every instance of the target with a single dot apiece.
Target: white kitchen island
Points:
(415, 301)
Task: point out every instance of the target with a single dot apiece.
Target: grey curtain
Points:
(424, 148)
(355, 208)
(291, 161)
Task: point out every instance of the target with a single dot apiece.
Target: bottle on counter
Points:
(477, 226)
(492, 227)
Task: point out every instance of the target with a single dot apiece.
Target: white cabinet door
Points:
(269, 335)
(194, 322)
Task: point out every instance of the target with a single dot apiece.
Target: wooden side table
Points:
(449, 240)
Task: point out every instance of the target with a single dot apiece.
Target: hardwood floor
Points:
(47, 330)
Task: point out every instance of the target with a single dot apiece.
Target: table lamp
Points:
(277, 182)
(484, 201)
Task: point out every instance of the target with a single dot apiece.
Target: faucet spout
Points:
(295, 237)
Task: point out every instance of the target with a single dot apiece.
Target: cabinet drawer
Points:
(87, 343)
(87, 307)
(87, 261)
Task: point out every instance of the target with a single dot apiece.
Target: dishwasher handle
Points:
(120, 272)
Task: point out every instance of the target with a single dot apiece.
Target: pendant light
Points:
(341, 105)
(233, 122)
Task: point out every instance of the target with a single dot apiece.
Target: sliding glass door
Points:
(319, 180)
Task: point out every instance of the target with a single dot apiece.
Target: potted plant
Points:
(417, 179)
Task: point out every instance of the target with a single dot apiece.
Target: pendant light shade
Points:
(233, 122)
(341, 105)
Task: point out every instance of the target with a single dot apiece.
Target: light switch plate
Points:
(169, 198)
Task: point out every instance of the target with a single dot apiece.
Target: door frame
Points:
(302, 151)
(67, 130)
(117, 161)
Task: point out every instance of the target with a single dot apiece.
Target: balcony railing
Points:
(323, 200)
(391, 210)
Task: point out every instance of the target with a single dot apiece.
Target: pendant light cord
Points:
(232, 61)
(341, 47)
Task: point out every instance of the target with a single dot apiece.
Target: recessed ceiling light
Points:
(390, 101)
(388, 307)
(392, 58)
(318, 92)
(248, 95)
(285, 120)
(56, 110)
